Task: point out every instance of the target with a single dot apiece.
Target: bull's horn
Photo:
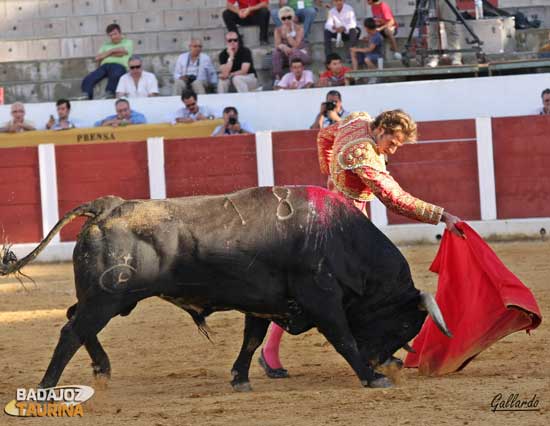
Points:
(408, 348)
(428, 303)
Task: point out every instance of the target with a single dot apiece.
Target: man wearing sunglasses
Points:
(245, 13)
(236, 66)
(191, 110)
(194, 70)
(137, 83)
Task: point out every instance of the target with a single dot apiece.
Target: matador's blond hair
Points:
(397, 121)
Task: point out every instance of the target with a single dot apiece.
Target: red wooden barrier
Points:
(521, 149)
(85, 172)
(443, 173)
(210, 165)
(20, 206)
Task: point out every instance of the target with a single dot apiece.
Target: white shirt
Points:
(146, 86)
(185, 113)
(202, 68)
(345, 18)
(289, 78)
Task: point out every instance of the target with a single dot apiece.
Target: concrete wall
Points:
(291, 110)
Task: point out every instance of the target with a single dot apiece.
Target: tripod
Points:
(425, 13)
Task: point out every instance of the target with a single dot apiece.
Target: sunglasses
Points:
(196, 45)
(232, 40)
(191, 105)
(286, 18)
(18, 110)
(135, 67)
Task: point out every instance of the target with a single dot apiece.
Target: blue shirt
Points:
(378, 41)
(135, 118)
(327, 121)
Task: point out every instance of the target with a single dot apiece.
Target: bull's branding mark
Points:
(115, 279)
(59, 401)
(284, 209)
(513, 402)
(95, 136)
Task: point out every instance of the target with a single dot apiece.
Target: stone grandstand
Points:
(46, 47)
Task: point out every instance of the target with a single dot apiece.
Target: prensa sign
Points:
(60, 401)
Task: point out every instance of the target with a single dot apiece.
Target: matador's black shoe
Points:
(273, 373)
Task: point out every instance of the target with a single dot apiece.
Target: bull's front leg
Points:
(255, 330)
(321, 297)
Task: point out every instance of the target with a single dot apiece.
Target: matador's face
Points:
(388, 143)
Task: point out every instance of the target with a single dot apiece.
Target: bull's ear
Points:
(428, 303)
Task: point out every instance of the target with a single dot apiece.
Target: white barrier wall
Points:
(292, 110)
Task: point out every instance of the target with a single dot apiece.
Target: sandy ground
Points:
(166, 373)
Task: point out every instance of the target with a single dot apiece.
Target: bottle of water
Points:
(479, 9)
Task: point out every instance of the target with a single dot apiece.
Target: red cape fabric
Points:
(481, 301)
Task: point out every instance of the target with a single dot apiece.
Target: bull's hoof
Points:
(241, 386)
(392, 362)
(273, 373)
(380, 382)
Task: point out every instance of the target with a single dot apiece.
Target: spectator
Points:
(63, 121)
(289, 43)
(304, 10)
(17, 123)
(385, 23)
(297, 78)
(194, 70)
(137, 83)
(124, 116)
(446, 17)
(545, 95)
(113, 62)
(368, 55)
(231, 124)
(236, 66)
(248, 12)
(191, 110)
(331, 112)
(335, 75)
(341, 25)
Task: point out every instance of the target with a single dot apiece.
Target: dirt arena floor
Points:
(166, 373)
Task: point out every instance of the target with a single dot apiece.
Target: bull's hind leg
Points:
(88, 320)
(321, 297)
(255, 330)
(100, 361)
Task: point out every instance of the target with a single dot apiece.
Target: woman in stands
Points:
(289, 43)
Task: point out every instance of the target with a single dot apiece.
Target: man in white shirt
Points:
(191, 110)
(341, 25)
(137, 83)
(194, 70)
(297, 78)
(545, 110)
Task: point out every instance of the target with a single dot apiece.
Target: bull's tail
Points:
(10, 264)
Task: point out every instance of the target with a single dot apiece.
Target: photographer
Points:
(231, 124)
(331, 112)
(194, 70)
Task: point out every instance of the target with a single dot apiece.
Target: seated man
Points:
(304, 10)
(137, 83)
(545, 110)
(231, 124)
(63, 121)
(194, 70)
(386, 24)
(368, 55)
(248, 12)
(17, 123)
(341, 25)
(335, 75)
(297, 78)
(113, 61)
(191, 111)
(236, 66)
(124, 116)
(331, 112)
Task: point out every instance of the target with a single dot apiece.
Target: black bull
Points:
(302, 257)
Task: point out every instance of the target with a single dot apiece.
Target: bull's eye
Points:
(405, 325)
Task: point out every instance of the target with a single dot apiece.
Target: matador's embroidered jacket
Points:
(348, 153)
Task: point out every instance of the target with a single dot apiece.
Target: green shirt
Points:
(122, 60)
(294, 4)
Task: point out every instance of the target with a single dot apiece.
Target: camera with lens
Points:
(232, 121)
(189, 79)
(330, 105)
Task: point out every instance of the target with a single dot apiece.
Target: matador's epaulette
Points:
(360, 153)
(357, 115)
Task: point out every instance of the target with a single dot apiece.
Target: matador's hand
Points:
(450, 223)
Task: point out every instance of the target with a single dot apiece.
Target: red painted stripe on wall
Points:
(521, 149)
(210, 165)
(20, 205)
(86, 172)
(295, 158)
(445, 174)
